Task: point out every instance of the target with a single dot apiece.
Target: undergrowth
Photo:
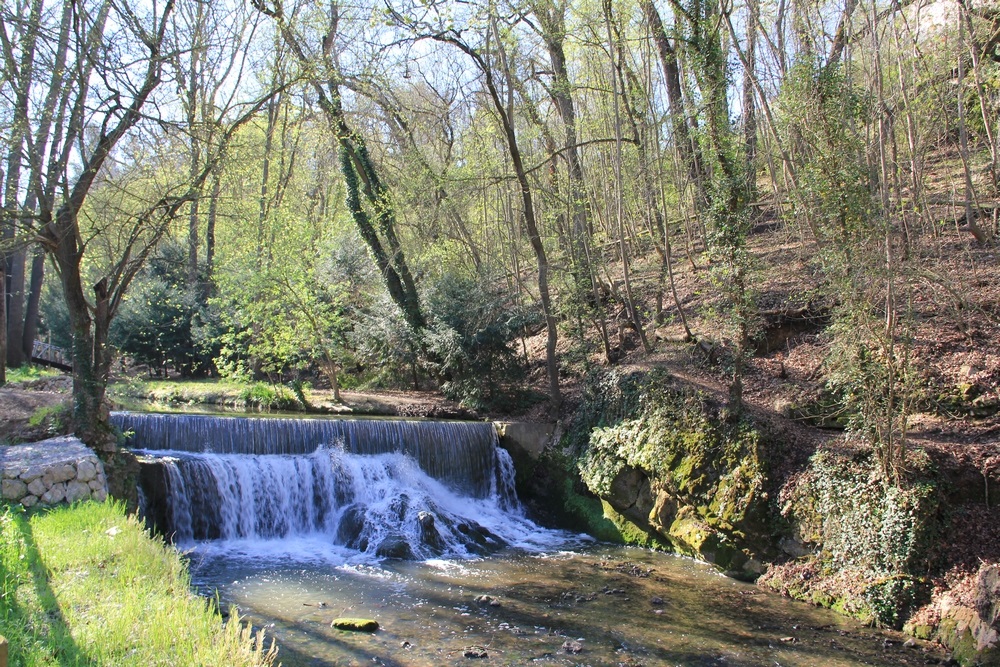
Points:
(87, 585)
(874, 539)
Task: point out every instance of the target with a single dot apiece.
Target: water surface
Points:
(599, 605)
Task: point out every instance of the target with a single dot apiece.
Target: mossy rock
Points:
(355, 624)
(696, 538)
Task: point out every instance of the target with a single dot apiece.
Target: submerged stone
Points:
(355, 624)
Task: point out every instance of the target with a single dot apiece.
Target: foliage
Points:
(878, 535)
(385, 346)
(54, 418)
(279, 321)
(262, 396)
(161, 322)
(826, 111)
(88, 585)
(475, 327)
(29, 373)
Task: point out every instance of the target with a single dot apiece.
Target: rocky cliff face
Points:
(673, 469)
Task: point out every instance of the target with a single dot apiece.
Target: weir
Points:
(460, 454)
(385, 488)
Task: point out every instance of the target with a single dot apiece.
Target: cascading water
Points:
(397, 489)
(296, 522)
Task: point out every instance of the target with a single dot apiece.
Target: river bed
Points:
(597, 605)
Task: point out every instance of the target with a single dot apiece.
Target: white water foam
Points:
(337, 507)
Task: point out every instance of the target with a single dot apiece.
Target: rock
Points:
(352, 524)
(37, 487)
(54, 495)
(29, 501)
(475, 652)
(100, 495)
(58, 474)
(355, 624)
(95, 485)
(14, 489)
(572, 646)
(487, 600)
(31, 472)
(656, 601)
(429, 534)
(86, 471)
(395, 546)
(76, 491)
(481, 539)
(988, 595)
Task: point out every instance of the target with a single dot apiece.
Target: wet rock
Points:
(475, 652)
(355, 624)
(352, 523)
(481, 540)
(656, 601)
(487, 600)
(572, 646)
(395, 546)
(429, 535)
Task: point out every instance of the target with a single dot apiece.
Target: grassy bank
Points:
(86, 585)
(205, 392)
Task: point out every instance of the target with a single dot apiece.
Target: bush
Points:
(472, 342)
(262, 396)
(160, 322)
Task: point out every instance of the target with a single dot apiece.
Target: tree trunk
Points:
(15, 307)
(688, 148)
(3, 324)
(90, 417)
(34, 301)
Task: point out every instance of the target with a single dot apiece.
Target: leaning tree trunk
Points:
(91, 359)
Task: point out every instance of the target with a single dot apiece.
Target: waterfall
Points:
(390, 488)
(460, 454)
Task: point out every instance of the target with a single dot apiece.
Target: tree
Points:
(368, 198)
(491, 62)
(114, 64)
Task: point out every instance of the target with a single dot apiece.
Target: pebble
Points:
(475, 652)
(572, 646)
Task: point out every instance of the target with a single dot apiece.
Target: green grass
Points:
(29, 372)
(223, 393)
(87, 585)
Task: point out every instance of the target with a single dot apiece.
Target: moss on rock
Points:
(355, 624)
(671, 463)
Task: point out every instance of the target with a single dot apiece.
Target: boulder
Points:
(37, 487)
(352, 524)
(429, 534)
(394, 546)
(86, 471)
(14, 489)
(76, 491)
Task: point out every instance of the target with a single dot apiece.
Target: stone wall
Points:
(52, 471)
(525, 438)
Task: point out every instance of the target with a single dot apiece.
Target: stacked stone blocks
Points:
(52, 471)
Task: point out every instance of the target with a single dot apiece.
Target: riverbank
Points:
(88, 585)
(807, 512)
